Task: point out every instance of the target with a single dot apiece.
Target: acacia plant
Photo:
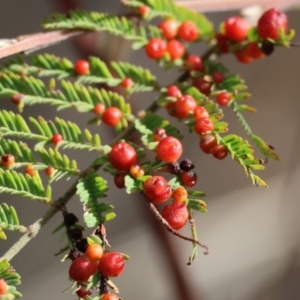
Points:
(197, 98)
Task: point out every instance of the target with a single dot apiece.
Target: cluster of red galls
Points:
(271, 25)
(185, 106)
(83, 266)
(123, 158)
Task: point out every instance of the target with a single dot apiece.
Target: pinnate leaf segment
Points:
(198, 99)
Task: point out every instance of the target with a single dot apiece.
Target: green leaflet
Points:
(9, 220)
(89, 189)
(12, 279)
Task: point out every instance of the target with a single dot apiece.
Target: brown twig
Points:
(35, 41)
(169, 228)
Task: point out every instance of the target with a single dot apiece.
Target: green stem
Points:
(241, 118)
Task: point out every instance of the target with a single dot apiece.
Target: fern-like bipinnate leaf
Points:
(26, 186)
(51, 65)
(167, 8)
(61, 164)
(69, 95)
(12, 279)
(15, 126)
(95, 21)
(9, 220)
(89, 189)
(241, 151)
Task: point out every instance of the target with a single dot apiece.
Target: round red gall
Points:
(236, 29)
(169, 149)
(56, 138)
(220, 152)
(3, 287)
(112, 116)
(94, 252)
(110, 296)
(189, 178)
(111, 264)
(188, 31)
(7, 160)
(119, 180)
(207, 143)
(243, 56)
(156, 48)
(49, 171)
(173, 91)
(176, 214)
(168, 28)
(184, 106)
(83, 292)
(157, 189)
(82, 67)
(17, 98)
(175, 49)
(200, 112)
(218, 77)
(144, 10)
(127, 83)
(202, 85)
(223, 98)
(82, 269)
(271, 23)
(30, 170)
(203, 125)
(194, 63)
(122, 156)
(253, 50)
(99, 109)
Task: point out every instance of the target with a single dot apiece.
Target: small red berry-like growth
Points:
(99, 109)
(200, 112)
(157, 189)
(207, 143)
(82, 67)
(271, 23)
(194, 63)
(82, 269)
(189, 178)
(223, 98)
(156, 48)
(173, 91)
(169, 149)
(111, 264)
(180, 194)
(218, 77)
(186, 165)
(220, 151)
(122, 156)
(83, 292)
(119, 180)
(169, 28)
(30, 170)
(185, 105)
(56, 138)
(110, 296)
(49, 171)
(175, 49)
(170, 107)
(158, 134)
(188, 31)
(127, 83)
(94, 252)
(136, 171)
(202, 85)
(7, 160)
(254, 51)
(222, 43)
(144, 10)
(16, 98)
(111, 116)
(176, 214)
(203, 125)
(243, 56)
(236, 29)
(3, 287)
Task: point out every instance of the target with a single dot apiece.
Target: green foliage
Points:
(241, 151)
(15, 126)
(12, 279)
(166, 8)
(50, 65)
(94, 21)
(9, 220)
(89, 189)
(22, 185)
(61, 163)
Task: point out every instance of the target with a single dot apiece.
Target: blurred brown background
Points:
(253, 233)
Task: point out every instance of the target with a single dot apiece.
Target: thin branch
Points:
(32, 42)
(169, 228)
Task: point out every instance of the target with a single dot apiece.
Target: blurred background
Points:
(253, 233)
